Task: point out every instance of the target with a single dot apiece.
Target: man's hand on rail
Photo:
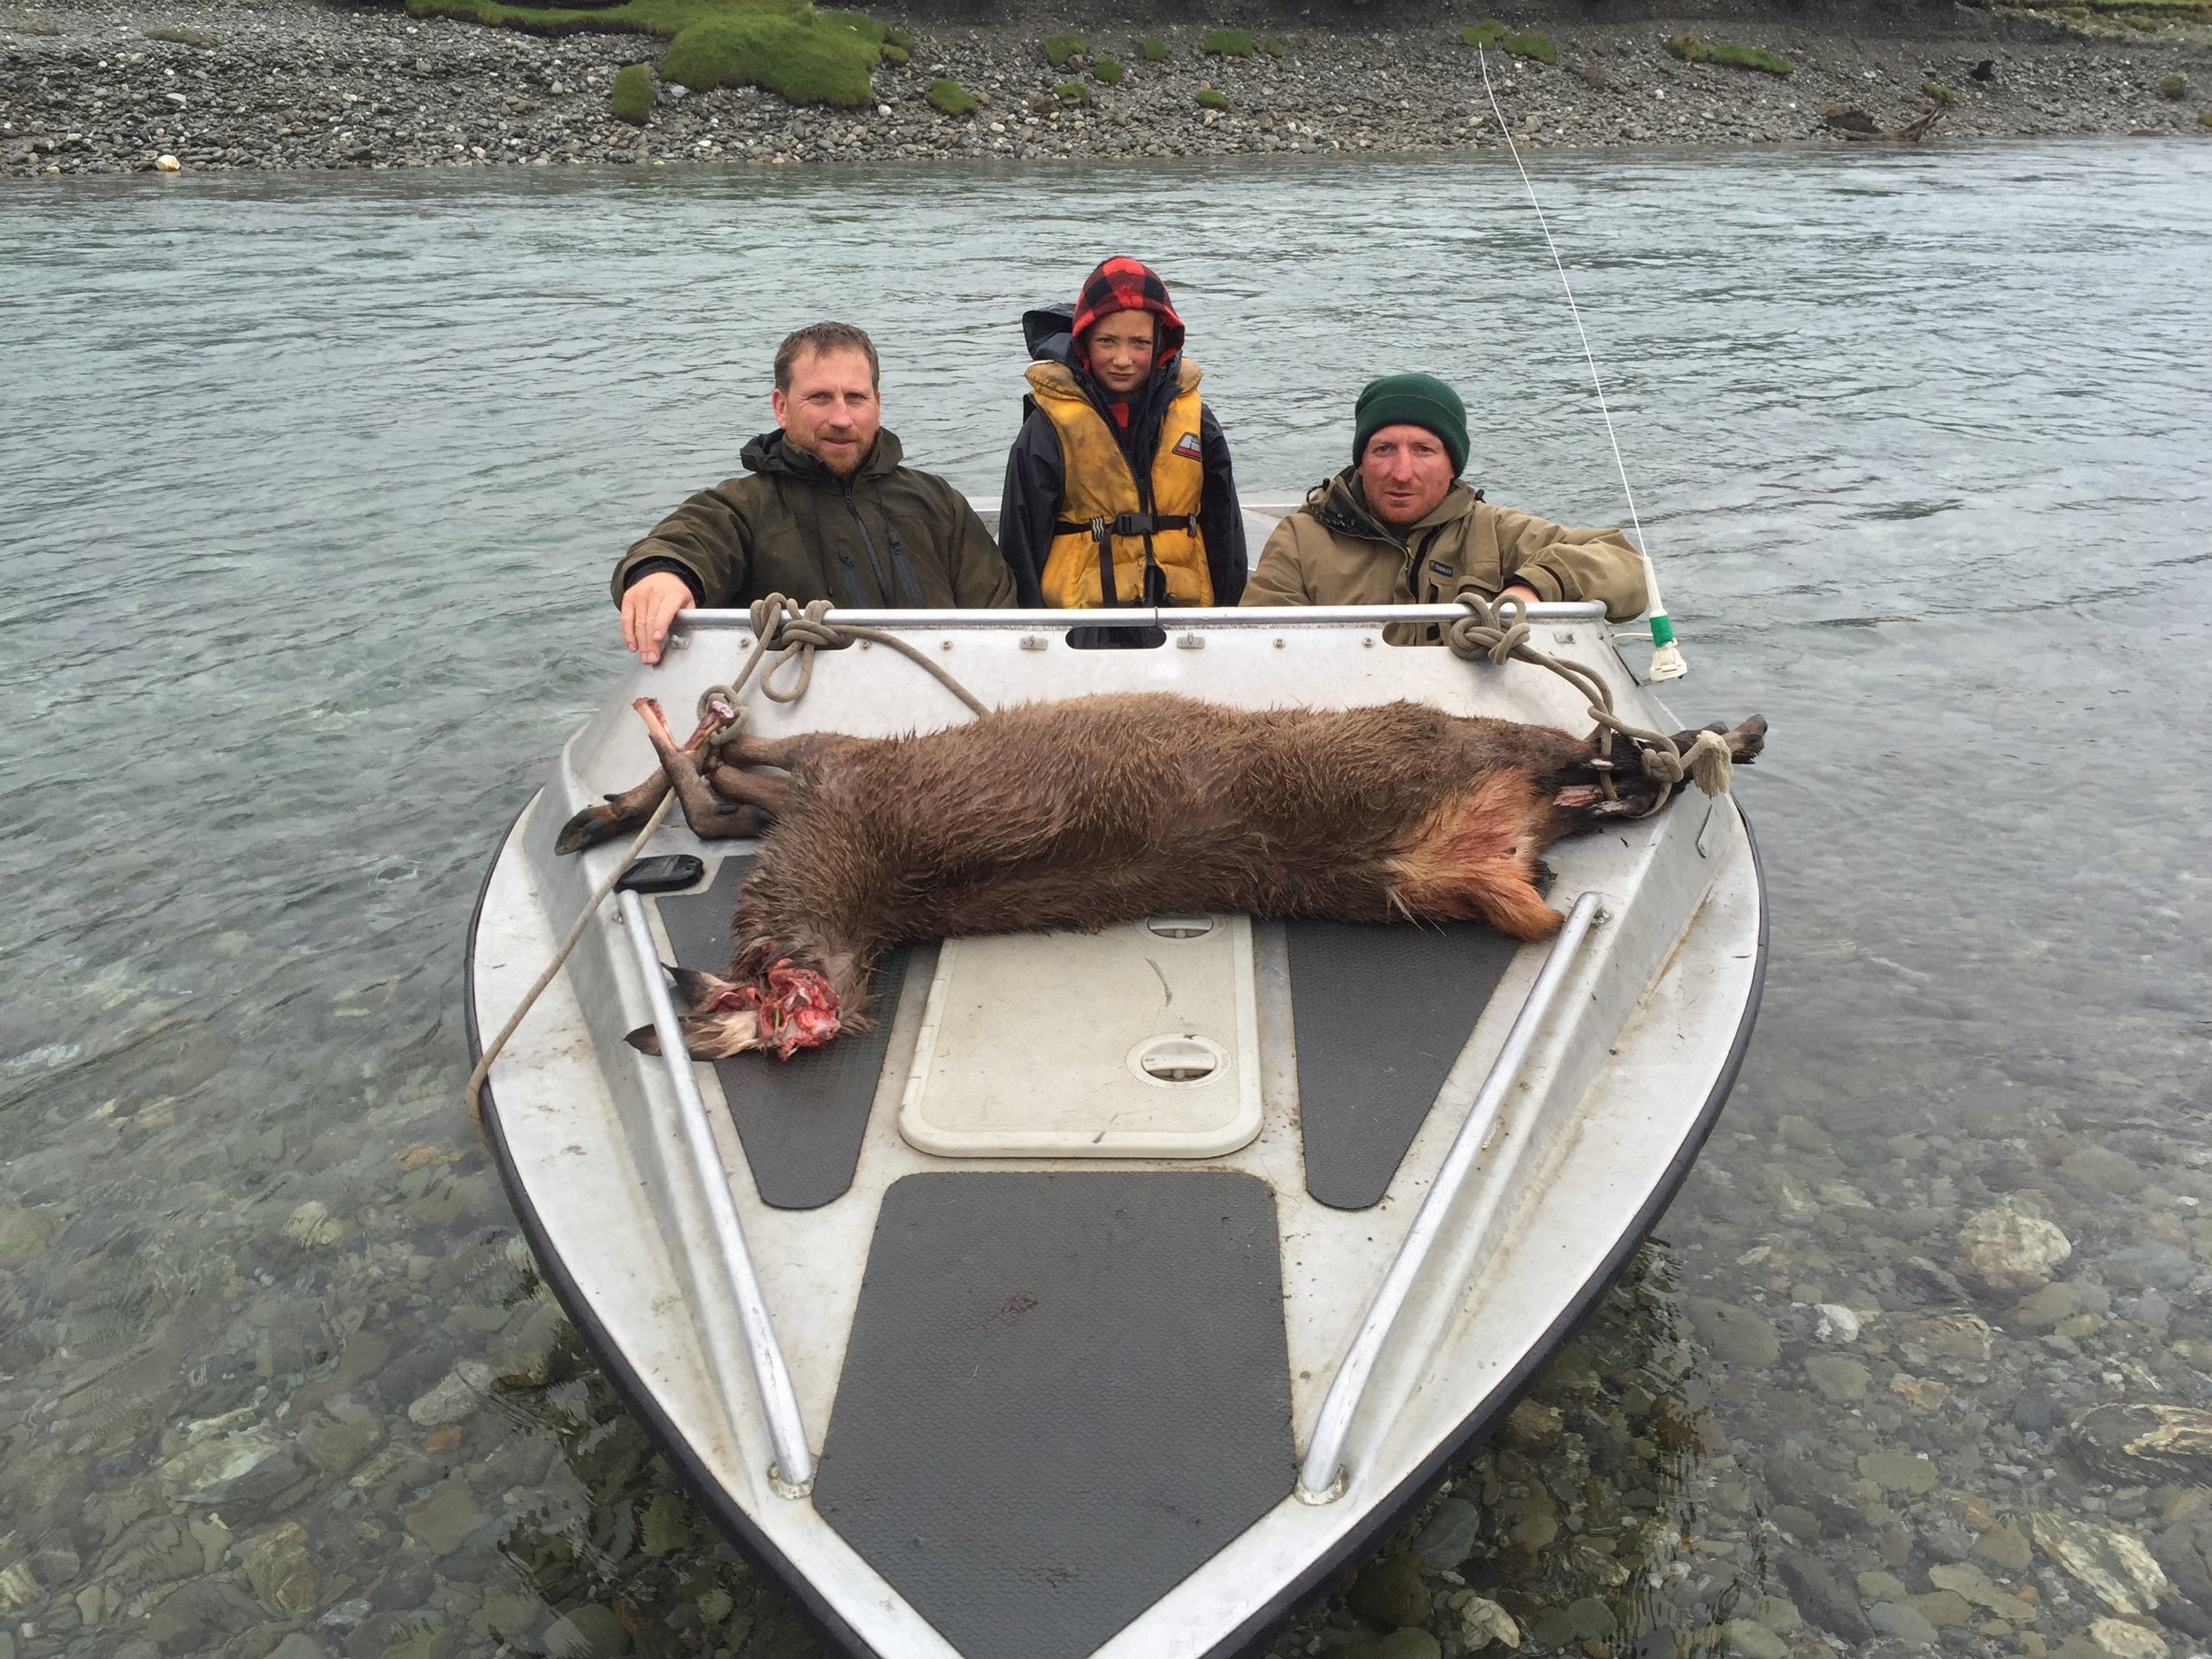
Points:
(649, 607)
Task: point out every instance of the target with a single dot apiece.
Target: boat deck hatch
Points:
(1063, 1394)
(1140, 1042)
(800, 1120)
(1382, 1015)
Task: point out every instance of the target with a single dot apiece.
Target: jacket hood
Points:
(1050, 333)
(1339, 503)
(772, 453)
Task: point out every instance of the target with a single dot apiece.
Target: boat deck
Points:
(1444, 1177)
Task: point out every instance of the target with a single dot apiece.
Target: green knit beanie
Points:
(1417, 400)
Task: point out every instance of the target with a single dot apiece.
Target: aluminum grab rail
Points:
(792, 1474)
(1172, 616)
(1322, 1477)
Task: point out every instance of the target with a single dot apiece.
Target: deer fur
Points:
(1084, 813)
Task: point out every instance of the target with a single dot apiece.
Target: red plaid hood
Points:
(1124, 285)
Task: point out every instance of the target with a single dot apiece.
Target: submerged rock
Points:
(247, 1467)
(2115, 1566)
(1450, 1537)
(1390, 1591)
(2117, 1639)
(2010, 1254)
(1825, 1598)
(280, 1570)
(1839, 1381)
(1482, 1622)
(1736, 1335)
(2144, 1444)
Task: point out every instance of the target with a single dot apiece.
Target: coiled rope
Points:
(783, 632)
(1499, 633)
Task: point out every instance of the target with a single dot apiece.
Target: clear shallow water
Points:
(309, 491)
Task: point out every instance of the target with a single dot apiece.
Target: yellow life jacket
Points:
(1111, 535)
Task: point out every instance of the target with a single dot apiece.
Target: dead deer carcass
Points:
(1084, 813)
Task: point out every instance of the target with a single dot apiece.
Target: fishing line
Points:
(1666, 657)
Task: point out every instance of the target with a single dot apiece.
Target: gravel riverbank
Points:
(112, 87)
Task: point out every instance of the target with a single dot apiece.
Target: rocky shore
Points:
(141, 86)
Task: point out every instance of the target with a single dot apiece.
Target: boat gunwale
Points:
(1300, 1588)
(636, 1397)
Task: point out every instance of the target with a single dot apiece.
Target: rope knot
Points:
(1491, 630)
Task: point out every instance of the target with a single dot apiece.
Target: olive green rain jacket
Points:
(887, 537)
(1334, 551)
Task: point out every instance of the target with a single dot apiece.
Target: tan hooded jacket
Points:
(1334, 551)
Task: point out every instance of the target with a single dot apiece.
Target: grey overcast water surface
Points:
(308, 493)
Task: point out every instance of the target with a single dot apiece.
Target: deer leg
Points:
(762, 789)
(710, 817)
(1577, 803)
(1475, 858)
(624, 813)
(786, 754)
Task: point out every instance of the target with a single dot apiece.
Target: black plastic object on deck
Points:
(1063, 1395)
(666, 873)
(801, 1120)
(1381, 1013)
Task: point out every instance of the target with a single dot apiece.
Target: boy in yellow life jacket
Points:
(1118, 486)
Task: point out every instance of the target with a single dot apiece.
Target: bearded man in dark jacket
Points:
(828, 512)
(1118, 486)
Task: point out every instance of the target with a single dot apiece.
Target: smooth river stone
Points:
(1903, 1621)
(1839, 1381)
(1736, 1335)
(1450, 1536)
(2103, 1168)
(1899, 1471)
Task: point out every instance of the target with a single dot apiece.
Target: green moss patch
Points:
(1073, 92)
(1210, 99)
(1273, 49)
(1534, 46)
(1690, 49)
(899, 38)
(2175, 87)
(1109, 70)
(1936, 90)
(948, 97)
(633, 93)
(1063, 50)
(2205, 119)
(1228, 43)
(815, 58)
(181, 37)
(1154, 49)
(1484, 35)
(896, 54)
(783, 46)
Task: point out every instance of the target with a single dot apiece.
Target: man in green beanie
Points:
(1398, 527)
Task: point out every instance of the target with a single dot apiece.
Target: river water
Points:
(309, 489)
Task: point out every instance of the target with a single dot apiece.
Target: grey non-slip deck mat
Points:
(1063, 1395)
(1380, 1013)
(801, 1120)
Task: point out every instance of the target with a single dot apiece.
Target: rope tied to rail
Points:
(1497, 631)
(782, 631)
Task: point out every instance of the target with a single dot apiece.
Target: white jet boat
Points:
(1118, 1290)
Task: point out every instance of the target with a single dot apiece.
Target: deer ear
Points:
(707, 1036)
(695, 989)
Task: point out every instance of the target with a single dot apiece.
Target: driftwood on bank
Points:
(1849, 121)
